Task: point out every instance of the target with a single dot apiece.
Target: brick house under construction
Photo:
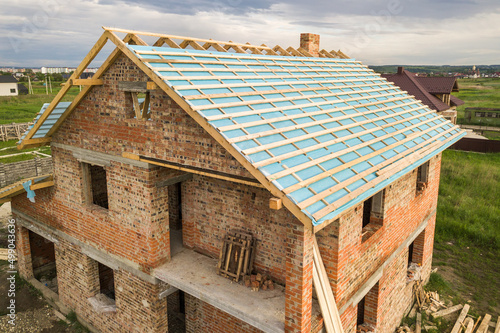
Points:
(331, 168)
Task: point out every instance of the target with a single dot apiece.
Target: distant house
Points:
(8, 86)
(435, 92)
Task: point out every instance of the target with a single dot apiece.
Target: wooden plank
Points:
(350, 149)
(104, 67)
(469, 325)
(194, 170)
(284, 108)
(42, 185)
(325, 288)
(215, 45)
(135, 102)
(446, 312)
(135, 32)
(281, 51)
(459, 323)
(483, 328)
(4, 200)
(418, 324)
(304, 52)
(76, 74)
(304, 219)
(330, 130)
(327, 320)
(30, 143)
(86, 82)
(145, 107)
(352, 195)
(497, 328)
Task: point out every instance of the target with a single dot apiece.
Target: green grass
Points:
(484, 93)
(467, 238)
(9, 148)
(469, 199)
(23, 108)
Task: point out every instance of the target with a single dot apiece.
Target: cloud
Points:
(60, 33)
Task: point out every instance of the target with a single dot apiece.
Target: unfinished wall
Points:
(138, 307)
(13, 172)
(351, 262)
(213, 207)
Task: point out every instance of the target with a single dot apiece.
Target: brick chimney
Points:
(400, 70)
(310, 43)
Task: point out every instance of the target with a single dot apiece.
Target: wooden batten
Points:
(86, 82)
(137, 86)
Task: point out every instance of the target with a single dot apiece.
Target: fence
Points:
(13, 131)
(13, 172)
(477, 145)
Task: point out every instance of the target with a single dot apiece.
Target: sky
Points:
(59, 33)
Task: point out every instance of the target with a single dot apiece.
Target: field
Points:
(23, 108)
(467, 243)
(484, 93)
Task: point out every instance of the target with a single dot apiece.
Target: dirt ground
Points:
(33, 314)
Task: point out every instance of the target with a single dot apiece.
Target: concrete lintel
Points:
(98, 158)
(380, 271)
(103, 257)
(175, 180)
(167, 292)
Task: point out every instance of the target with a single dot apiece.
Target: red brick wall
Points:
(202, 317)
(136, 224)
(351, 262)
(139, 308)
(211, 208)
(24, 263)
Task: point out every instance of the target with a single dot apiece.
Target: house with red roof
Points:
(435, 92)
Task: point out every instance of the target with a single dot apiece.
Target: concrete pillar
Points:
(298, 288)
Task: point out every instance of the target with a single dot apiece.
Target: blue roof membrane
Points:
(308, 124)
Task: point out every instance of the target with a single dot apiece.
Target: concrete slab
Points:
(195, 274)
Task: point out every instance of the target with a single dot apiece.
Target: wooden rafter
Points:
(289, 204)
(28, 142)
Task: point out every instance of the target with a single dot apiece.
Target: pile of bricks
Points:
(258, 281)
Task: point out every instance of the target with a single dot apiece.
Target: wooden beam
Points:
(216, 46)
(322, 284)
(175, 180)
(134, 39)
(42, 185)
(459, 323)
(497, 328)
(76, 74)
(137, 86)
(418, 324)
(104, 67)
(31, 143)
(4, 200)
(275, 203)
(289, 204)
(447, 311)
(135, 32)
(86, 82)
(194, 170)
(483, 328)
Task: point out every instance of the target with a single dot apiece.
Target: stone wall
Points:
(13, 172)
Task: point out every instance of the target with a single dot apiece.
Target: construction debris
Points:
(258, 281)
(430, 303)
